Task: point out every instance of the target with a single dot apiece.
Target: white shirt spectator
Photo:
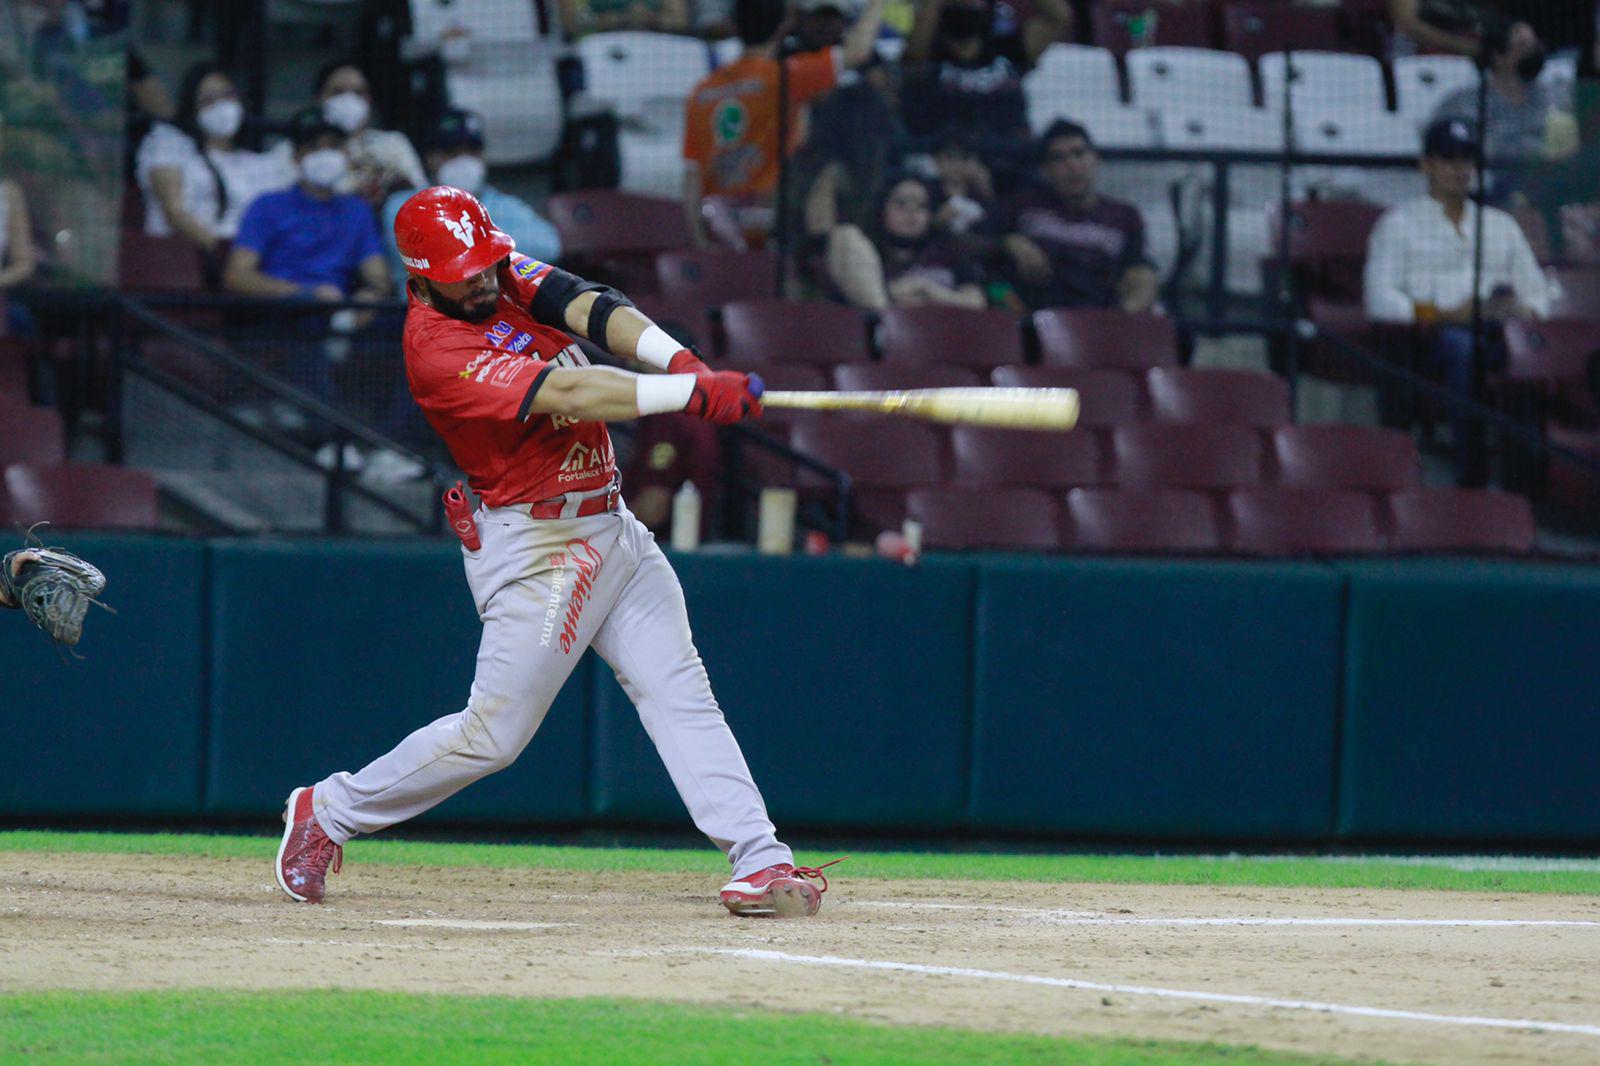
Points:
(381, 160)
(1417, 255)
(246, 175)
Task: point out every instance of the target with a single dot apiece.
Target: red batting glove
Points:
(687, 362)
(726, 397)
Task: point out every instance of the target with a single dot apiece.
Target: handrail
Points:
(842, 484)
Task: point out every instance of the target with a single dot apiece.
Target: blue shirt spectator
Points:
(455, 157)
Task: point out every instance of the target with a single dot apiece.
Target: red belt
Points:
(599, 503)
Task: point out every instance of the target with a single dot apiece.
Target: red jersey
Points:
(475, 382)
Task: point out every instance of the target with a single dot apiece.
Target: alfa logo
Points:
(462, 229)
(729, 121)
(580, 460)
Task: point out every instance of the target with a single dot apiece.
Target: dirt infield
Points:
(982, 955)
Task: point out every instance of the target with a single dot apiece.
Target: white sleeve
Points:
(163, 146)
(1382, 279)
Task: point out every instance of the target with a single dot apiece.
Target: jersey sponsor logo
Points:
(580, 563)
(582, 461)
(507, 368)
(521, 341)
(570, 356)
(529, 269)
(477, 362)
(462, 229)
(729, 121)
(497, 334)
(415, 264)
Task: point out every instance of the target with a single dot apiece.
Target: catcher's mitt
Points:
(54, 588)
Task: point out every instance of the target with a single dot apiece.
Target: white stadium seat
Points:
(1324, 81)
(1341, 132)
(1112, 125)
(1158, 77)
(628, 69)
(1200, 125)
(1420, 82)
(1073, 73)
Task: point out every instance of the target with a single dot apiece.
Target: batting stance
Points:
(555, 561)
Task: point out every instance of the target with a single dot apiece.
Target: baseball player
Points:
(555, 561)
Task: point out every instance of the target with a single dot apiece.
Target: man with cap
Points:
(455, 158)
(1420, 264)
(555, 561)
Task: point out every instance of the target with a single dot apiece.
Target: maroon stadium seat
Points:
(1345, 457)
(1181, 24)
(884, 376)
(1185, 455)
(1279, 521)
(13, 368)
(1577, 293)
(82, 496)
(1327, 245)
(1021, 457)
(1550, 352)
(792, 376)
(1254, 28)
(1460, 520)
(1140, 520)
(759, 332)
(30, 435)
(597, 223)
(958, 335)
(964, 517)
(1572, 486)
(885, 458)
(1243, 397)
(158, 264)
(1106, 397)
(1084, 337)
(687, 321)
(715, 276)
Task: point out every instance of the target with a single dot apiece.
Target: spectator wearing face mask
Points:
(195, 178)
(904, 260)
(1523, 121)
(455, 157)
(310, 241)
(381, 161)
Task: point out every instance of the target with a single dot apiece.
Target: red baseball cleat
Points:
(305, 852)
(781, 891)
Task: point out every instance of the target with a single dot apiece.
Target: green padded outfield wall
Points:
(327, 654)
(847, 682)
(118, 734)
(1472, 702)
(1160, 700)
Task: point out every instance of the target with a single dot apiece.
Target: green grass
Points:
(1107, 869)
(389, 1028)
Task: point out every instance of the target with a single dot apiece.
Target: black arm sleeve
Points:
(556, 291)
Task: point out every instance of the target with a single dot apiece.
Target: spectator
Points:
(1420, 265)
(1518, 109)
(455, 157)
(856, 139)
(730, 139)
(821, 25)
(964, 69)
(18, 260)
(905, 261)
(579, 17)
(381, 161)
(195, 178)
(967, 184)
(1067, 245)
(1422, 26)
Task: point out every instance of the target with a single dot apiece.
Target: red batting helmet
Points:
(444, 234)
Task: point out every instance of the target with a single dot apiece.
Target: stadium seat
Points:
(1105, 397)
(629, 69)
(13, 368)
(1206, 125)
(763, 332)
(687, 321)
(1140, 520)
(1536, 229)
(1353, 131)
(1073, 73)
(956, 335)
(1550, 352)
(971, 517)
(1576, 292)
(505, 71)
(1116, 22)
(800, 376)
(600, 223)
(1280, 521)
(1328, 246)
(1163, 77)
(1110, 124)
(1459, 520)
(147, 264)
(988, 456)
(880, 376)
(1324, 80)
(1574, 487)
(1421, 82)
(1185, 455)
(885, 459)
(1345, 457)
(1253, 27)
(82, 496)
(714, 276)
(31, 435)
(1242, 397)
(1092, 337)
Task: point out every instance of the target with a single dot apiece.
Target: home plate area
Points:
(1407, 975)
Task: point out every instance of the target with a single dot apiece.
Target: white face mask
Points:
(221, 119)
(465, 172)
(348, 111)
(324, 167)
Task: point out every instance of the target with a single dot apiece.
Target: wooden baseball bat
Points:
(1008, 408)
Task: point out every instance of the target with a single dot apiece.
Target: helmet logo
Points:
(462, 229)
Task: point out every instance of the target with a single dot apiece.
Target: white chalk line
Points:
(467, 923)
(1064, 917)
(351, 944)
(1163, 993)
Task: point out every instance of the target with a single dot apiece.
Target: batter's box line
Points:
(837, 962)
(1061, 917)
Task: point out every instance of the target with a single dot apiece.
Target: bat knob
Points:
(756, 385)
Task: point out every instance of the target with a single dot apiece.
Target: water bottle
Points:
(686, 518)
